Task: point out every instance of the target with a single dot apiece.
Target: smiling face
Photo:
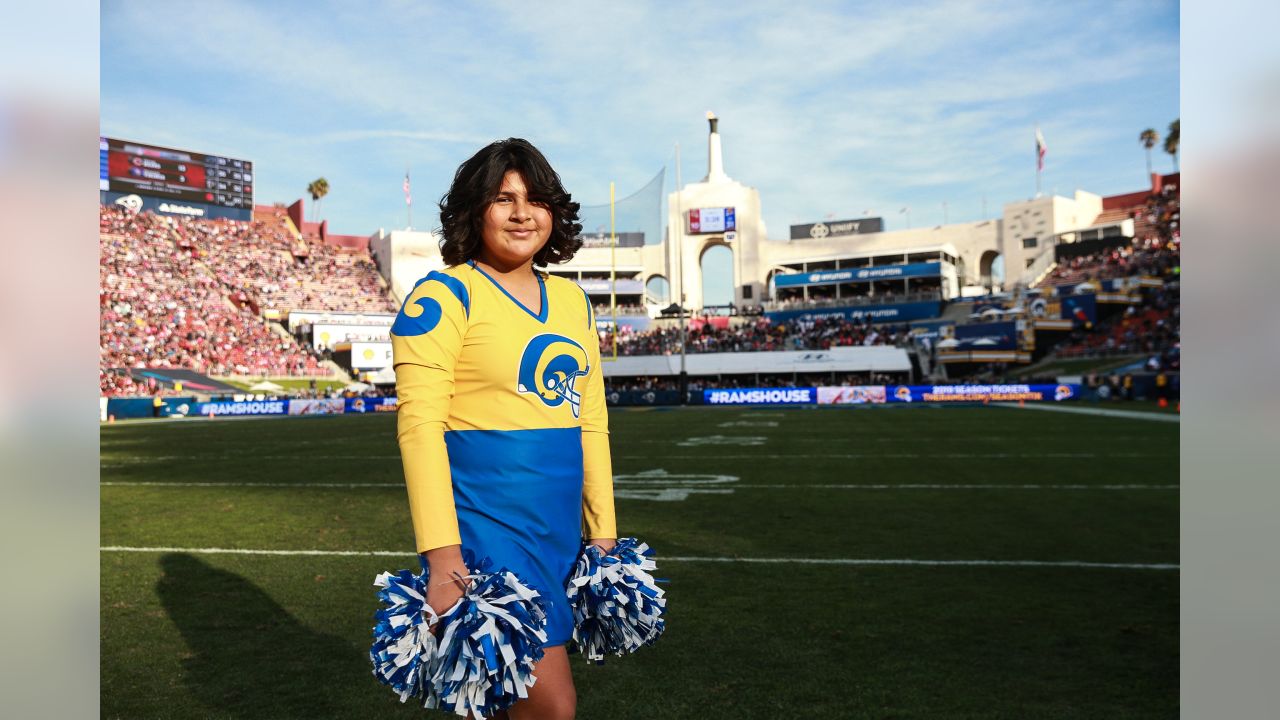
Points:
(514, 228)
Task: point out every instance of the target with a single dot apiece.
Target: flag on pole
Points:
(408, 199)
(1041, 149)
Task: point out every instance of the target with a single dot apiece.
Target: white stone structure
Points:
(1023, 236)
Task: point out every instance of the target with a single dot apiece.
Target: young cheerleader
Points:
(501, 422)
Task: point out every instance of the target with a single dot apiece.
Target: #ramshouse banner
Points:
(761, 396)
(243, 407)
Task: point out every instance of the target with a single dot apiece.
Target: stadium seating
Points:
(1154, 250)
(188, 293)
(1152, 329)
(760, 336)
(282, 272)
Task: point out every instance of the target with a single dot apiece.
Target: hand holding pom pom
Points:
(404, 647)
(479, 661)
(617, 605)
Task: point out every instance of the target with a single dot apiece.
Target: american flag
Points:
(408, 199)
(1041, 149)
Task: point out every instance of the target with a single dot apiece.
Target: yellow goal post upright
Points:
(628, 222)
(613, 270)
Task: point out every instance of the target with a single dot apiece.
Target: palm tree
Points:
(317, 189)
(1149, 138)
(311, 190)
(1171, 143)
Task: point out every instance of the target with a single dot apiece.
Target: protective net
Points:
(637, 217)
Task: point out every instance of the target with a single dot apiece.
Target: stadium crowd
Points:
(1153, 257)
(171, 295)
(1152, 328)
(752, 380)
(277, 271)
(161, 308)
(1154, 251)
(759, 336)
(602, 309)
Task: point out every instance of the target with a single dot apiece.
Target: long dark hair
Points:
(476, 185)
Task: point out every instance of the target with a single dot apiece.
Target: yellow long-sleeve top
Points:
(491, 393)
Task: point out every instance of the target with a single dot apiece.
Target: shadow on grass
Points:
(249, 657)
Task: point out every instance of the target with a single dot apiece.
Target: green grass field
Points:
(817, 633)
(1074, 366)
(290, 384)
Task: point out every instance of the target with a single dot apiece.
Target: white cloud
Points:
(826, 107)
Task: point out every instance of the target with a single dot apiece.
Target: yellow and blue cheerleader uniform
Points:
(503, 428)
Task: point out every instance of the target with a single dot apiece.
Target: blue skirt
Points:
(518, 496)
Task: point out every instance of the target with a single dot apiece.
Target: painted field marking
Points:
(662, 486)
(903, 456)
(131, 461)
(962, 487)
(1100, 412)
(749, 423)
(662, 477)
(774, 561)
(691, 486)
(743, 440)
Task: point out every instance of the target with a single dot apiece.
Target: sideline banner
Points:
(856, 275)
(855, 395)
(358, 405)
(982, 393)
(642, 397)
(143, 407)
(761, 396)
(317, 406)
(946, 393)
(243, 407)
(899, 312)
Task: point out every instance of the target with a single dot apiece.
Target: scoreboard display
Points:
(169, 174)
(712, 220)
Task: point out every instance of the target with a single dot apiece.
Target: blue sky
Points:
(827, 108)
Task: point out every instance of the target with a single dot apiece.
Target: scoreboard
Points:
(712, 220)
(169, 174)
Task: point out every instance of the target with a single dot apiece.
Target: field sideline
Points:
(958, 562)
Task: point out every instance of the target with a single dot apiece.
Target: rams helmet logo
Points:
(132, 203)
(1062, 392)
(549, 367)
(903, 393)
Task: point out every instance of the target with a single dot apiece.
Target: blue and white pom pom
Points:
(617, 605)
(488, 641)
(404, 648)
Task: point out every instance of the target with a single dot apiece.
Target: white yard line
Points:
(772, 561)
(1100, 412)
(125, 462)
(961, 487)
(752, 455)
(672, 484)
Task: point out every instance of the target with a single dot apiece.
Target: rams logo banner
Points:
(549, 367)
